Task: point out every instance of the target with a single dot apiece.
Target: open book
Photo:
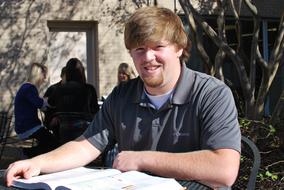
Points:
(98, 179)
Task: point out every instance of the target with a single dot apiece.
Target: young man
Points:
(170, 121)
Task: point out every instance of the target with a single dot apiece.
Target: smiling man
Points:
(170, 121)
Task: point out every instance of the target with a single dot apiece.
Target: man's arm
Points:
(71, 155)
(216, 168)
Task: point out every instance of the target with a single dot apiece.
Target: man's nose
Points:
(149, 55)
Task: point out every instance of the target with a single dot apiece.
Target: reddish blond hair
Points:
(152, 24)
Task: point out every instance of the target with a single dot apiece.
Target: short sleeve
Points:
(220, 127)
(100, 133)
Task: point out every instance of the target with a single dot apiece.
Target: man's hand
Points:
(24, 168)
(128, 160)
(218, 168)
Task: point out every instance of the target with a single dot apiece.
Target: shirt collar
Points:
(181, 91)
(183, 87)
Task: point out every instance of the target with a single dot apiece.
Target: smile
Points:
(152, 67)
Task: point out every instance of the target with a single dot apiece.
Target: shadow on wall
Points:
(16, 47)
(25, 39)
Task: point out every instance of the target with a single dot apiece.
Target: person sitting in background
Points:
(27, 102)
(48, 122)
(74, 96)
(51, 88)
(124, 73)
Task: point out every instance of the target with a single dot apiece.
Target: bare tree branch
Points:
(254, 103)
(280, 55)
(278, 42)
(220, 56)
(260, 59)
(237, 60)
(196, 39)
(237, 24)
(254, 44)
(273, 64)
(251, 7)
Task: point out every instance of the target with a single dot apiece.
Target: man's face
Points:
(157, 64)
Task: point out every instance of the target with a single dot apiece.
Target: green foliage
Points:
(244, 123)
(267, 174)
(242, 158)
(272, 130)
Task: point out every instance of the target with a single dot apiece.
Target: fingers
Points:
(115, 162)
(118, 161)
(20, 169)
(29, 173)
(125, 161)
(8, 175)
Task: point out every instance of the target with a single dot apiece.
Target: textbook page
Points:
(143, 181)
(97, 179)
(51, 181)
(132, 180)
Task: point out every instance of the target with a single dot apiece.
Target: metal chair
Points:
(5, 129)
(249, 149)
(9, 140)
(251, 159)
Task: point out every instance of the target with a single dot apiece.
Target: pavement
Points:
(13, 151)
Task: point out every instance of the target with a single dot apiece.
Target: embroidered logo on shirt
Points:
(123, 126)
(177, 134)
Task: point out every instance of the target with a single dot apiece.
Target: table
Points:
(188, 184)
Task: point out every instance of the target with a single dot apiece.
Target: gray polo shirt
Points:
(201, 114)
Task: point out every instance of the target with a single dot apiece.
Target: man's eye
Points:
(139, 49)
(159, 46)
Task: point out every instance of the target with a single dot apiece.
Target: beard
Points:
(153, 81)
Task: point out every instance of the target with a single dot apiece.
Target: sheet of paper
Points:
(143, 181)
(70, 176)
(107, 183)
(98, 179)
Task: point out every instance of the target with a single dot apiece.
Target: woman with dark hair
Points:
(75, 97)
(75, 71)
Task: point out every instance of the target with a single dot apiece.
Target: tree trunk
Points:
(254, 99)
(276, 116)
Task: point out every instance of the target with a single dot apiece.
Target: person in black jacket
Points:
(75, 102)
(50, 111)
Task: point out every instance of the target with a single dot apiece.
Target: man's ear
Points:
(179, 52)
(129, 51)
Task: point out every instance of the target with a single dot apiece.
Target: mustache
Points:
(151, 64)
